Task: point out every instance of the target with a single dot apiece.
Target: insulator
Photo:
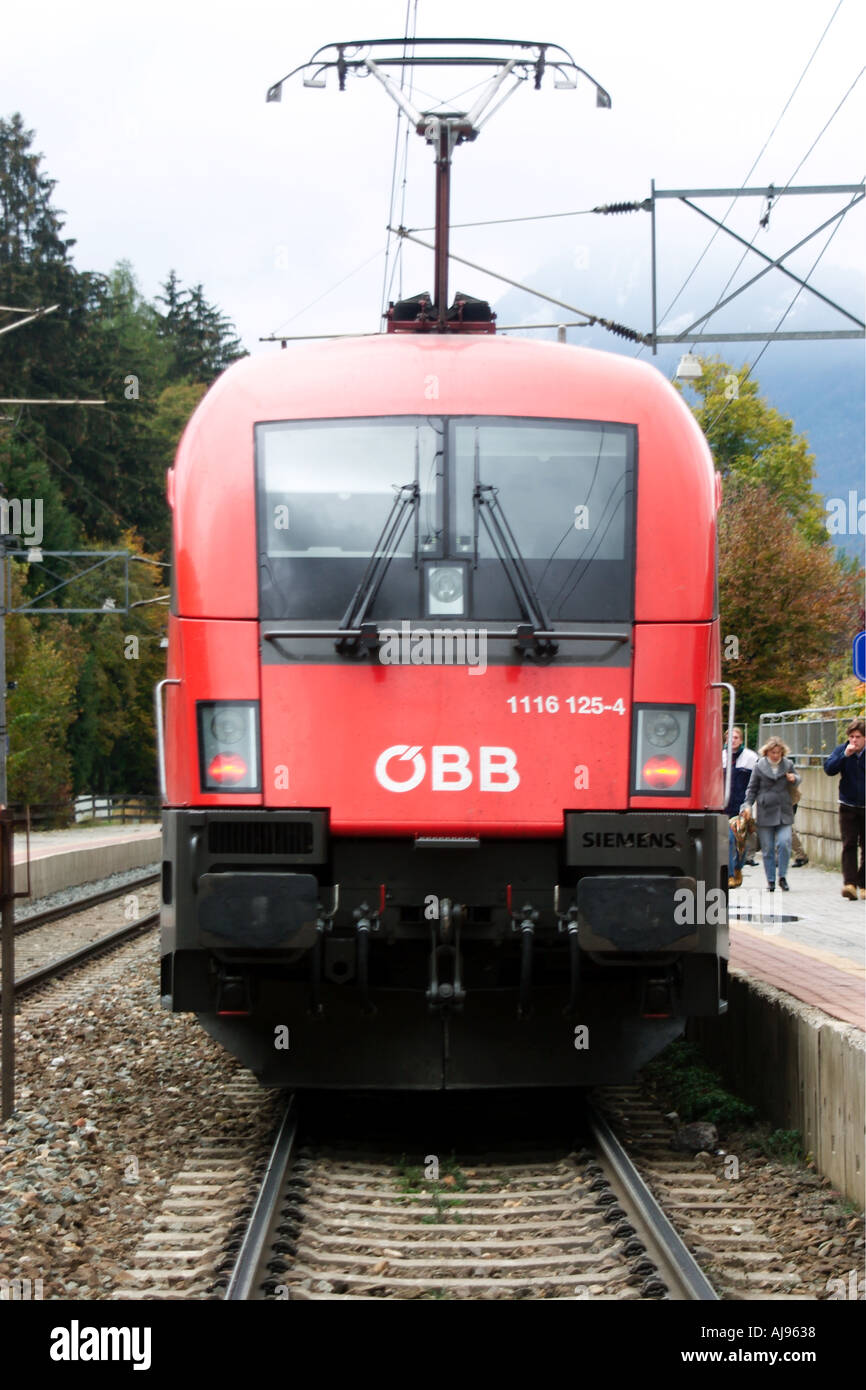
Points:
(607, 208)
(622, 332)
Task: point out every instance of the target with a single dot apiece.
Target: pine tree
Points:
(202, 340)
(35, 269)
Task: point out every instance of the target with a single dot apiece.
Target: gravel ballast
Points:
(111, 1092)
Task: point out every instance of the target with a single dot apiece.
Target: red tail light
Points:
(662, 773)
(228, 742)
(227, 769)
(662, 746)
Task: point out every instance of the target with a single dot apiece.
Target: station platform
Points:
(66, 858)
(809, 942)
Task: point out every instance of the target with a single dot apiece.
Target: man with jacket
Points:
(848, 761)
(743, 760)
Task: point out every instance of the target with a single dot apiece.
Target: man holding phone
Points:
(848, 760)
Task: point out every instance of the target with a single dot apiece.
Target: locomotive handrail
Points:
(160, 735)
(729, 762)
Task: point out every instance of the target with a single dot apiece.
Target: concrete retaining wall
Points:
(817, 819)
(71, 867)
(799, 1068)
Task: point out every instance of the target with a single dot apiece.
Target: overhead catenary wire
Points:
(330, 290)
(620, 329)
(826, 125)
(387, 284)
(757, 160)
(784, 190)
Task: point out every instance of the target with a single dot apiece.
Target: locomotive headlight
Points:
(446, 589)
(662, 727)
(662, 730)
(446, 585)
(227, 727)
(228, 745)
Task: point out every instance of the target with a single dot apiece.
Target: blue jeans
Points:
(775, 845)
(735, 862)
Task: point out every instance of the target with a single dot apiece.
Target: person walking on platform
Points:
(743, 761)
(770, 785)
(797, 847)
(848, 760)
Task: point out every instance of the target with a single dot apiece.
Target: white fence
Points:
(811, 734)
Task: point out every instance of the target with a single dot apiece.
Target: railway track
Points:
(314, 1215)
(702, 1199)
(56, 914)
(45, 974)
(582, 1225)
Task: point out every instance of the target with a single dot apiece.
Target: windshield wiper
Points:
(406, 503)
(535, 633)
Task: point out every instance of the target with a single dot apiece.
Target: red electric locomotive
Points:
(442, 719)
(440, 756)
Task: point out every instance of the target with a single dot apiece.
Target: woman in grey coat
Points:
(771, 783)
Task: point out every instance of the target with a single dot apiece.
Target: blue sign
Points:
(859, 650)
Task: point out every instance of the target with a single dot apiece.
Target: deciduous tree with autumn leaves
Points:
(791, 600)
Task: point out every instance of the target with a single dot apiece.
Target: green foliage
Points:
(25, 472)
(790, 600)
(112, 740)
(412, 1178)
(838, 686)
(441, 1190)
(694, 1090)
(785, 1144)
(42, 707)
(753, 444)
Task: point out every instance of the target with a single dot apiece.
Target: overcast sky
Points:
(152, 119)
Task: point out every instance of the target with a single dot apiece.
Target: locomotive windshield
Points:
(564, 489)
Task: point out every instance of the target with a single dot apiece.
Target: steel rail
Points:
(46, 973)
(241, 1286)
(677, 1260)
(54, 914)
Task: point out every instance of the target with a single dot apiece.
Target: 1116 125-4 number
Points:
(572, 704)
